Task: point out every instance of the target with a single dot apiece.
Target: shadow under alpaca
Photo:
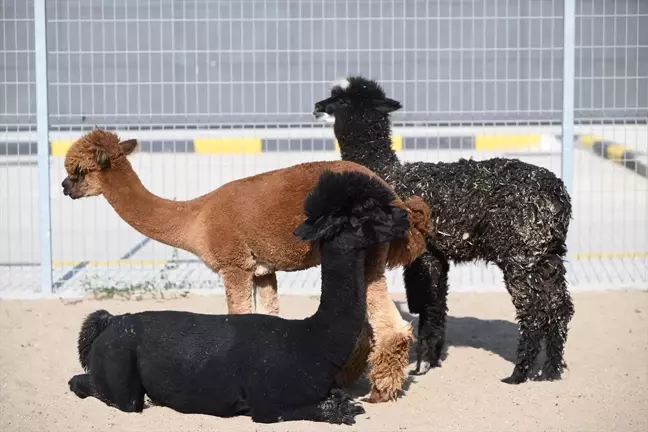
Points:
(495, 336)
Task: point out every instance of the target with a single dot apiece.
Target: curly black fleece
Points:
(270, 368)
(503, 211)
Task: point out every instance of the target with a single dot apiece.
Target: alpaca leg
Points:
(239, 285)
(115, 380)
(559, 310)
(356, 364)
(389, 355)
(337, 408)
(426, 285)
(529, 304)
(266, 289)
(391, 334)
(121, 395)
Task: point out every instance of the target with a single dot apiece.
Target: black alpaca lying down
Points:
(270, 368)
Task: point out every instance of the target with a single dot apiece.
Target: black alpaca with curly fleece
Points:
(503, 211)
(269, 368)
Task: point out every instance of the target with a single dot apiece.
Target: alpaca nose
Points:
(66, 186)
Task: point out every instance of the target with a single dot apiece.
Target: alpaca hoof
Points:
(514, 379)
(422, 367)
(548, 374)
(378, 396)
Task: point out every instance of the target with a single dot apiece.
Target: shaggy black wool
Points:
(503, 211)
(269, 368)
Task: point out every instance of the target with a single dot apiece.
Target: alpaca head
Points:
(94, 152)
(354, 94)
(351, 210)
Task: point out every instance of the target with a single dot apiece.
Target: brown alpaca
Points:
(243, 231)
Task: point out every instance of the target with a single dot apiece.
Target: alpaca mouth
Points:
(324, 117)
(70, 194)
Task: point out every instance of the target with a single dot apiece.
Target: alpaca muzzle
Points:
(318, 111)
(66, 184)
(323, 117)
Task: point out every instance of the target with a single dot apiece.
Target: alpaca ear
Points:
(103, 160)
(305, 232)
(387, 105)
(128, 146)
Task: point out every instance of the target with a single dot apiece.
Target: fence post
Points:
(42, 127)
(569, 23)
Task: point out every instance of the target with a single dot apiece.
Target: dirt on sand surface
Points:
(605, 389)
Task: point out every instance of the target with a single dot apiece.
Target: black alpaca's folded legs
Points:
(115, 381)
(426, 285)
(337, 408)
(125, 395)
(81, 385)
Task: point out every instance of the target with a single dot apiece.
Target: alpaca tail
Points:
(352, 203)
(91, 328)
(404, 251)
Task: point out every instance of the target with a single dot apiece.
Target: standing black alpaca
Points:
(270, 368)
(501, 211)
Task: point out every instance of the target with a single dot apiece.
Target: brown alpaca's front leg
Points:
(239, 286)
(391, 334)
(266, 290)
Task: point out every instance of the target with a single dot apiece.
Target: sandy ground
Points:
(606, 388)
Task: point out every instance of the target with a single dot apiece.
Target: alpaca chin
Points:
(325, 118)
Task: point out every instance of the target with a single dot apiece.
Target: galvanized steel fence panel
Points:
(197, 78)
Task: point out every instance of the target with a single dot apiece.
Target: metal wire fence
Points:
(219, 90)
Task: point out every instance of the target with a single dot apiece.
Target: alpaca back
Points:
(496, 204)
(260, 210)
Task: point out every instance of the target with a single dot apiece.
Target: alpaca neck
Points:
(160, 219)
(343, 305)
(365, 138)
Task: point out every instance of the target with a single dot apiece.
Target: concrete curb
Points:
(249, 145)
(617, 153)
(140, 263)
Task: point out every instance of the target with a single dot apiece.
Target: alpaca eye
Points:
(78, 171)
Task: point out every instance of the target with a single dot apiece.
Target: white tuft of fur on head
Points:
(343, 83)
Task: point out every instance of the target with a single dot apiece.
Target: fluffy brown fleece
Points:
(243, 231)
